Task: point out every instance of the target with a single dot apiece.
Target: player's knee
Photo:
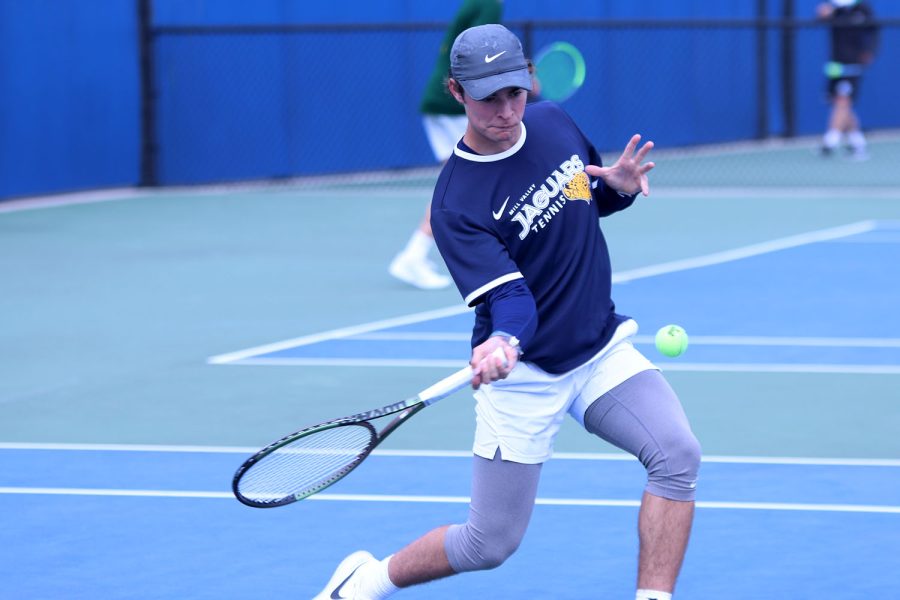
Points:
(673, 470)
(481, 551)
(686, 457)
(496, 551)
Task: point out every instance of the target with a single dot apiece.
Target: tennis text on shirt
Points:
(569, 180)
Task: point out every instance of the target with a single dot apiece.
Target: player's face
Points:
(495, 122)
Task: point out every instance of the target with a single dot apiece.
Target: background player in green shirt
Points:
(444, 120)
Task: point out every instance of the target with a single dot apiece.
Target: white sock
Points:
(832, 138)
(419, 245)
(374, 582)
(857, 140)
(652, 595)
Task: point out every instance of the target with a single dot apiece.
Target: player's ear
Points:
(456, 89)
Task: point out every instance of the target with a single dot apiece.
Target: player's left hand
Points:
(627, 175)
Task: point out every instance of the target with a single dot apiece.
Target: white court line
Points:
(582, 502)
(351, 362)
(664, 365)
(747, 251)
(837, 369)
(623, 277)
(406, 192)
(55, 200)
(42, 491)
(585, 456)
(696, 340)
(339, 333)
(748, 193)
(416, 336)
(817, 342)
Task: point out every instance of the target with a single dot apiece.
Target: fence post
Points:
(149, 147)
(788, 75)
(762, 69)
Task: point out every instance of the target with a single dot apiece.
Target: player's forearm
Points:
(513, 311)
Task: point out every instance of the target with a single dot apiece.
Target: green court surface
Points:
(110, 311)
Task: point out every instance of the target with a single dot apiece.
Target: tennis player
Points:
(515, 215)
(444, 121)
(854, 39)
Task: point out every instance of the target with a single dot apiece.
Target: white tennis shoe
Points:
(343, 584)
(418, 272)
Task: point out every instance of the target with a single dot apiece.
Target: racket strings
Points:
(306, 464)
(561, 70)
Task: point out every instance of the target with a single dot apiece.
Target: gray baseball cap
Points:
(488, 58)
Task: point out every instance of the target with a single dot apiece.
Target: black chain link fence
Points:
(737, 103)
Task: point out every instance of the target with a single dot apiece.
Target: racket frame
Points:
(406, 409)
(580, 68)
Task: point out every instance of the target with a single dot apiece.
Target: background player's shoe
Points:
(419, 272)
(342, 584)
(858, 153)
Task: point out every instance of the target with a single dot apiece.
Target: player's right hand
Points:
(488, 364)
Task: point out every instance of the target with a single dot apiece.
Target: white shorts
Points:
(444, 131)
(522, 414)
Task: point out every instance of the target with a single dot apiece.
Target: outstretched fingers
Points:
(631, 145)
(629, 173)
(644, 150)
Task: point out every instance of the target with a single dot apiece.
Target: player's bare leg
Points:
(664, 527)
(421, 561)
(844, 123)
(842, 117)
(412, 264)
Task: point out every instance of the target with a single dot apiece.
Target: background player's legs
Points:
(842, 117)
(413, 266)
(843, 124)
(644, 417)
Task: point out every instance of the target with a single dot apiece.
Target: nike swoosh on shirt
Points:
(489, 59)
(499, 213)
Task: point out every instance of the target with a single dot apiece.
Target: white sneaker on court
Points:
(419, 272)
(342, 585)
(859, 154)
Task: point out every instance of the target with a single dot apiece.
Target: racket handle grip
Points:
(453, 383)
(446, 386)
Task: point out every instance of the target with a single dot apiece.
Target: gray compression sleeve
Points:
(644, 417)
(503, 494)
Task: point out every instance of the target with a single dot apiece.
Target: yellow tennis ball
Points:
(671, 340)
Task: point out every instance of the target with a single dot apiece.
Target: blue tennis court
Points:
(160, 523)
(128, 403)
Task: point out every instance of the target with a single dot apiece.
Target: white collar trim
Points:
(492, 157)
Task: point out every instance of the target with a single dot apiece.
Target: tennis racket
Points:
(836, 70)
(312, 459)
(560, 70)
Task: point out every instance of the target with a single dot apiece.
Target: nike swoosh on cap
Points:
(489, 59)
(499, 213)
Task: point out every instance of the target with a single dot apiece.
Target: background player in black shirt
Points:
(854, 40)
